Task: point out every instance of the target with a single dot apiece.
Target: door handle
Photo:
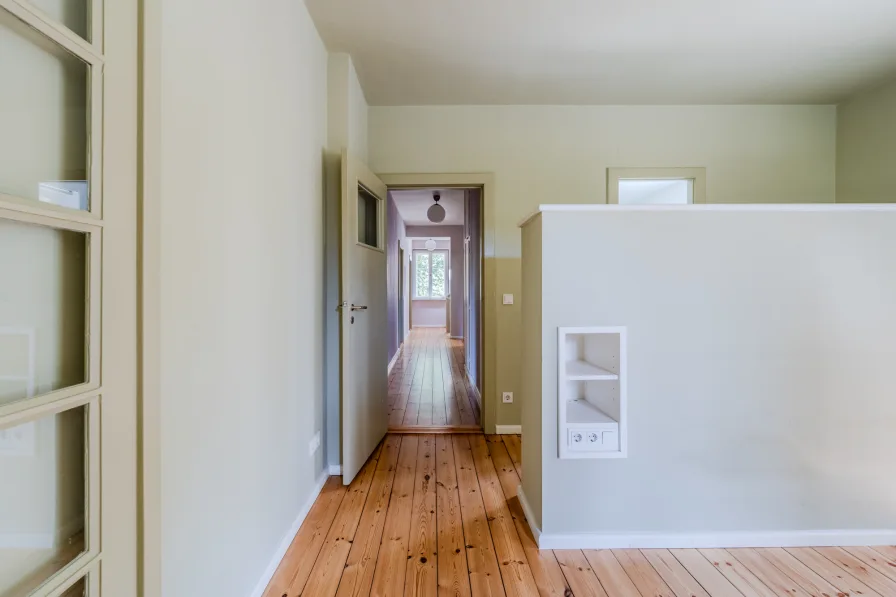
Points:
(359, 307)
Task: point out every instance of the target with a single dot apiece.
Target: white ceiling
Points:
(412, 206)
(416, 52)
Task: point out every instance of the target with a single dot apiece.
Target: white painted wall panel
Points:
(760, 356)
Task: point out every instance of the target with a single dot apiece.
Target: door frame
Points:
(109, 391)
(401, 298)
(490, 298)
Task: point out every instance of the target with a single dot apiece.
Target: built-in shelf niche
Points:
(591, 394)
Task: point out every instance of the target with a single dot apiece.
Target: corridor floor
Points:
(428, 386)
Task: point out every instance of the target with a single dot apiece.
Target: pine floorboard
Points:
(437, 515)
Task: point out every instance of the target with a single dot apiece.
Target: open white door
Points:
(363, 358)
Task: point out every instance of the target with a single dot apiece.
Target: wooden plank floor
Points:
(428, 388)
(438, 515)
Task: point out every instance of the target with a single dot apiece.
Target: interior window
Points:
(656, 192)
(368, 218)
(430, 274)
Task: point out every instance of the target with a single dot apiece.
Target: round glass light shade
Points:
(430, 245)
(435, 213)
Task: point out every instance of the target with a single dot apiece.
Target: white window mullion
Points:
(18, 208)
(95, 142)
(430, 274)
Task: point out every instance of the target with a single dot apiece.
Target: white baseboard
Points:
(288, 537)
(530, 516)
(335, 469)
(825, 538)
(473, 387)
(508, 429)
(394, 359)
(428, 326)
(456, 337)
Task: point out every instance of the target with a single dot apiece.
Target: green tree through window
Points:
(438, 275)
(430, 274)
(421, 269)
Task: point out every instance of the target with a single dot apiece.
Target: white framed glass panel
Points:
(368, 218)
(45, 118)
(74, 14)
(430, 274)
(439, 274)
(421, 274)
(79, 589)
(43, 310)
(43, 499)
(656, 186)
(656, 192)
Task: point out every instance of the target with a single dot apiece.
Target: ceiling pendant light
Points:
(430, 245)
(436, 213)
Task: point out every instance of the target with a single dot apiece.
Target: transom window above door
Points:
(656, 186)
(430, 274)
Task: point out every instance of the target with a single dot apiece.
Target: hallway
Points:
(428, 386)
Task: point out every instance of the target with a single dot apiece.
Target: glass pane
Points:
(74, 14)
(421, 274)
(438, 274)
(655, 192)
(42, 499)
(42, 310)
(79, 589)
(43, 117)
(367, 218)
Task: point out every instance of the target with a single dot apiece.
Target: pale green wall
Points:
(243, 100)
(531, 365)
(866, 147)
(559, 154)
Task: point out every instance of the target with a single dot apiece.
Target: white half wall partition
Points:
(758, 378)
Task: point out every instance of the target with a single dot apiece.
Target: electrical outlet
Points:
(314, 444)
(507, 397)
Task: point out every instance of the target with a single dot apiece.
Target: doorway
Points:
(435, 369)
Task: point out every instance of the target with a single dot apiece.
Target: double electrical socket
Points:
(593, 440)
(507, 397)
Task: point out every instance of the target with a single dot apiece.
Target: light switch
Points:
(508, 299)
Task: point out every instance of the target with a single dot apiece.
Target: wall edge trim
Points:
(277, 557)
(722, 540)
(530, 515)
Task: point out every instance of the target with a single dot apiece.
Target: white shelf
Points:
(581, 412)
(591, 392)
(582, 371)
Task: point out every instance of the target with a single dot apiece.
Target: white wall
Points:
(428, 313)
(760, 394)
(244, 128)
(346, 129)
(866, 147)
(559, 154)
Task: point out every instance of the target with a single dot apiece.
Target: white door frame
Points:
(490, 298)
(110, 560)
